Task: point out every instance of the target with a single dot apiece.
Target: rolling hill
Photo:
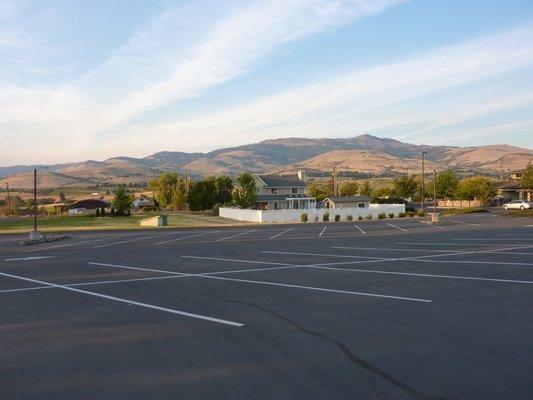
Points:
(364, 153)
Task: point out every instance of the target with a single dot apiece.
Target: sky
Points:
(101, 78)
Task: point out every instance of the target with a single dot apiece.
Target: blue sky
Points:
(95, 79)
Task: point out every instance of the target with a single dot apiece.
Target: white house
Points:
(282, 193)
(347, 202)
(142, 202)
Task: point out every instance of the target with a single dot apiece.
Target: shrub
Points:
(112, 212)
(409, 209)
(421, 213)
(402, 215)
(349, 218)
(391, 215)
(382, 216)
(369, 216)
(337, 218)
(411, 214)
(316, 219)
(303, 217)
(360, 218)
(102, 212)
(325, 217)
(97, 212)
(215, 210)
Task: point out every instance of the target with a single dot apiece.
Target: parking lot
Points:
(386, 309)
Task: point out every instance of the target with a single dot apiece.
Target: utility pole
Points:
(434, 194)
(35, 199)
(8, 200)
(334, 181)
(423, 195)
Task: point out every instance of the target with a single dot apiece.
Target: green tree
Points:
(405, 186)
(527, 177)
(246, 194)
(169, 190)
(349, 189)
(224, 187)
(476, 187)
(203, 194)
(319, 191)
(122, 201)
(365, 189)
(446, 184)
(62, 197)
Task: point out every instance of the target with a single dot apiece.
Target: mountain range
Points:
(364, 153)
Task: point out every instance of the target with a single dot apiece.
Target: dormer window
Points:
(274, 191)
(294, 190)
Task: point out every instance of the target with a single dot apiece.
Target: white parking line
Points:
(205, 276)
(187, 237)
(125, 241)
(472, 278)
(320, 254)
(127, 301)
(233, 236)
(397, 227)
(467, 223)
(28, 258)
(390, 249)
(492, 239)
(360, 230)
(281, 233)
(234, 260)
(434, 226)
(322, 232)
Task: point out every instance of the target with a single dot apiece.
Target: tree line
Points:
(172, 191)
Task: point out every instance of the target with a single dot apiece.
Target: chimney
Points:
(301, 175)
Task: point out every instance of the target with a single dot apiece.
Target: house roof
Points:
(348, 199)
(281, 181)
(90, 204)
(281, 197)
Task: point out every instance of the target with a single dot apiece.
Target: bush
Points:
(102, 212)
(325, 217)
(316, 219)
(391, 215)
(215, 210)
(97, 212)
(369, 216)
(349, 218)
(360, 218)
(382, 216)
(303, 217)
(112, 212)
(337, 218)
(402, 215)
(409, 209)
(421, 213)
(411, 214)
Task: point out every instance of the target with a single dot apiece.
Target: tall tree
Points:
(169, 190)
(405, 186)
(319, 191)
(349, 188)
(366, 189)
(224, 187)
(446, 184)
(203, 194)
(476, 187)
(527, 177)
(122, 201)
(246, 194)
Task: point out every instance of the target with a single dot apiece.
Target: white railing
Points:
(288, 216)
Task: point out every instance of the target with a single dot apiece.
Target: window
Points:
(361, 205)
(274, 191)
(294, 190)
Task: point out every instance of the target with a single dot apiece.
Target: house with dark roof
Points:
(282, 193)
(87, 207)
(347, 202)
(513, 190)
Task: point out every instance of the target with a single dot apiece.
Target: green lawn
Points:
(457, 211)
(66, 223)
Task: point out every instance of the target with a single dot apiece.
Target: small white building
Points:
(347, 202)
(142, 202)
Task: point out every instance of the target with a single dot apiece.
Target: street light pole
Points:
(8, 200)
(434, 194)
(35, 199)
(423, 195)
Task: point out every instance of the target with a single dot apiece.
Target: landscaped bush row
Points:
(304, 217)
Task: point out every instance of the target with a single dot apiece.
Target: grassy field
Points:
(66, 223)
(458, 211)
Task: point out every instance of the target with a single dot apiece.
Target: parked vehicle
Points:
(517, 205)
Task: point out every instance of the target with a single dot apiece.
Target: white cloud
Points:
(180, 54)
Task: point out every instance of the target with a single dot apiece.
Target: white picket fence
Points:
(288, 216)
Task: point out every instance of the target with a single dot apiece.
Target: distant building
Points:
(347, 202)
(87, 207)
(512, 190)
(283, 193)
(142, 202)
